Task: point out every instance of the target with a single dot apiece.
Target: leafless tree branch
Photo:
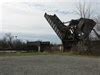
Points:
(84, 10)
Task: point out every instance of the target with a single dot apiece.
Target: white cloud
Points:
(22, 17)
(27, 16)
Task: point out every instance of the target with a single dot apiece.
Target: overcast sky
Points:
(25, 18)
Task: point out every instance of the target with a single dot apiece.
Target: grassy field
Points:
(3, 54)
(46, 63)
(49, 65)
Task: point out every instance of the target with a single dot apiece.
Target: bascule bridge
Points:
(77, 30)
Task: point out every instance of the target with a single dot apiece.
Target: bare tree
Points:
(9, 39)
(97, 19)
(84, 10)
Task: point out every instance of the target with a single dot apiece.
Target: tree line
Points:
(10, 42)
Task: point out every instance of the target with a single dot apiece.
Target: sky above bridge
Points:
(25, 18)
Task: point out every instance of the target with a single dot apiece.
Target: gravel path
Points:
(49, 65)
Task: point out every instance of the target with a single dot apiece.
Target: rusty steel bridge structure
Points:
(76, 31)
